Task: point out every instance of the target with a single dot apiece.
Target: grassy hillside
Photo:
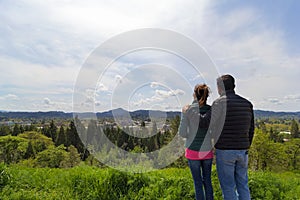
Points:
(86, 182)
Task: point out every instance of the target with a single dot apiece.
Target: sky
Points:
(44, 46)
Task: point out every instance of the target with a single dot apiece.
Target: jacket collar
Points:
(227, 92)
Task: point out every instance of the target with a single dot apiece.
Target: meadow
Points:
(92, 183)
(51, 164)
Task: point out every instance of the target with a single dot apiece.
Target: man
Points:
(231, 123)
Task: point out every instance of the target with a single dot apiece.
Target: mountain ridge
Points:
(133, 114)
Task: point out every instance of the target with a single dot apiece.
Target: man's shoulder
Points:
(224, 99)
(243, 99)
(220, 100)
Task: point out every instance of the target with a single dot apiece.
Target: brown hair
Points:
(202, 92)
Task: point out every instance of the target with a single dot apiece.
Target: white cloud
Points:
(42, 51)
(166, 94)
(293, 97)
(274, 100)
(25, 74)
(102, 87)
(9, 97)
(154, 84)
(162, 98)
(47, 101)
(243, 43)
(118, 78)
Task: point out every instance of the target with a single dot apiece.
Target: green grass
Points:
(86, 182)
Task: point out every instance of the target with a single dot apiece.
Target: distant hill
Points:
(272, 114)
(142, 114)
(35, 115)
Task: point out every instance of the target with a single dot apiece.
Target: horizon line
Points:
(72, 112)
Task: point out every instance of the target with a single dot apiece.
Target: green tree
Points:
(293, 150)
(154, 138)
(16, 130)
(30, 151)
(72, 158)
(294, 129)
(51, 157)
(175, 124)
(72, 138)
(262, 126)
(5, 130)
(12, 149)
(39, 141)
(53, 131)
(46, 131)
(21, 129)
(265, 154)
(273, 135)
(30, 127)
(61, 137)
(91, 132)
(81, 130)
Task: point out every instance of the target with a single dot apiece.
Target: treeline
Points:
(139, 138)
(58, 146)
(33, 145)
(273, 150)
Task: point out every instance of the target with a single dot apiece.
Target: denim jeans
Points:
(201, 173)
(232, 168)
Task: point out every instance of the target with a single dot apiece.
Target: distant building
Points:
(285, 132)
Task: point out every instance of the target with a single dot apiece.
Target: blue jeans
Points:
(232, 168)
(201, 172)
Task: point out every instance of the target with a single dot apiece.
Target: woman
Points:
(198, 147)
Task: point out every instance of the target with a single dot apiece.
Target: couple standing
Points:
(228, 125)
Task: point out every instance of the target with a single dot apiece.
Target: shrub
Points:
(4, 176)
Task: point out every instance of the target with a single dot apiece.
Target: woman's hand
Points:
(185, 108)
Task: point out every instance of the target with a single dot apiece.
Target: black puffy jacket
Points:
(231, 122)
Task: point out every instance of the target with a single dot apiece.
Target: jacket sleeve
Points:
(251, 130)
(183, 127)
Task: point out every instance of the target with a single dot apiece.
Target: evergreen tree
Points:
(45, 131)
(175, 124)
(294, 129)
(154, 138)
(22, 129)
(160, 139)
(91, 132)
(72, 138)
(53, 131)
(5, 130)
(81, 130)
(123, 138)
(273, 135)
(70, 134)
(16, 130)
(61, 137)
(262, 126)
(30, 151)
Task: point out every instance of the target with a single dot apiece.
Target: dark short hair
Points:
(226, 81)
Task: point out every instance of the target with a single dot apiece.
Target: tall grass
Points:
(85, 182)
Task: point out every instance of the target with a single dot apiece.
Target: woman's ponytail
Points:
(202, 93)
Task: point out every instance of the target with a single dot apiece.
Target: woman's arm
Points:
(183, 127)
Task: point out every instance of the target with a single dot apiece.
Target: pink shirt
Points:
(198, 155)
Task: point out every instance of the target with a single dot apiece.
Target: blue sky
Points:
(44, 44)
